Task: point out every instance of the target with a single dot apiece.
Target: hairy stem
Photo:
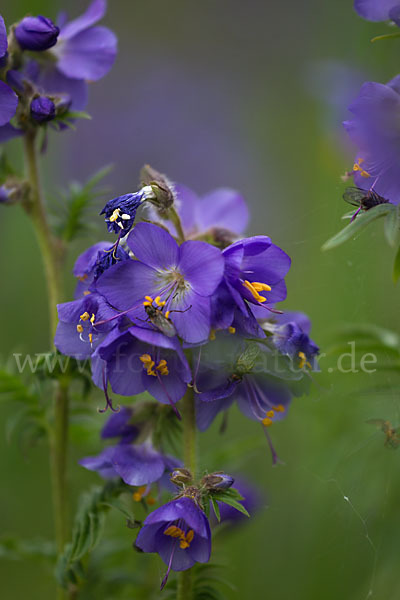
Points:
(50, 247)
(185, 583)
(178, 225)
(52, 256)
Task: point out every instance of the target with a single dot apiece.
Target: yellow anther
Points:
(232, 329)
(174, 531)
(159, 302)
(148, 363)
(79, 328)
(83, 277)
(85, 316)
(138, 495)
(280, 408)
(267, 422)
(162, 367)
(256, 287)
(212, 335)
(146, 303)
(92, 318)
(270, 414)
(166, 315)
(91, 338)
(86, 293)
(303, 361)
(115, 215)
(149, 299)
(357, 167)
(150, 501)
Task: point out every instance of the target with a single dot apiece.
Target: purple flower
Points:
(93, 262)
(181, 278)
(253, 282)
(36, 33)
(78, 333)
(137, 465)
(118, 425)
(139, 359)
(43, 109)
(375, 129)
(179, 532)
(252, 501)
(120, 212)
(8, 98)
(222, 210)
(378, 10)
(83, 51)
(291, 336)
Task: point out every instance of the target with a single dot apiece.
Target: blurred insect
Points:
(158, 318)
(392, 437)
(363, 199)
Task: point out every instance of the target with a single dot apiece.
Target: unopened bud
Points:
(218, 481)
(181, 477)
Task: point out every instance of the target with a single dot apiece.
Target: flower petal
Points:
(52, 81)
(3, 38)
(8, 103)
(225, 208)
(93, 14)
(374, 10)
(154, 246)
(193, 324)
(88, 55)
(202, 265)
(138, 465)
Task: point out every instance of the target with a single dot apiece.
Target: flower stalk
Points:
(52, 255)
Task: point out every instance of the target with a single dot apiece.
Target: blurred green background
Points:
(248, 95)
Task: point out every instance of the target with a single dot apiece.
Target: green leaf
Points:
(385, 36)
(87, 530)
(14, 389)
(74, 218)
(215, 507)
(396, 267)
(392, 227)
(231, 497)
(359, 223)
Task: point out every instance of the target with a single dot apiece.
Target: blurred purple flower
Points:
(375, 129)
(8, 98)
(43, 109)
(378, 10)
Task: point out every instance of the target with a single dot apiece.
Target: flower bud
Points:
(36, 33)
(43, 109)
(162, 189)
(218, 481)
(181, 476)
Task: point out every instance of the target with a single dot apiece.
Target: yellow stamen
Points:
(256, 287)
(83, 277)
(174, 531)
(86, 293)
(167, 314)
(147, 303)
(150, 501)
(212, 335)
(79, 328)
(92, 319)
(85, 316)
(115, 215)
(280, 408)
(177, 532)
(270, 414)
(159, 302)
(91, 338)
(162, 367)
(138, 495)
(232, 329)
(357, 167)
(267, 422)
(148, 363)
(149, 299)
(303, 361)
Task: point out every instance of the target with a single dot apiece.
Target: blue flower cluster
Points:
(183, 302)
(45, 67)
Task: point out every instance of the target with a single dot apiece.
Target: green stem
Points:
(178, 225)
(185, 582)
(50, 247)
(52, 255)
